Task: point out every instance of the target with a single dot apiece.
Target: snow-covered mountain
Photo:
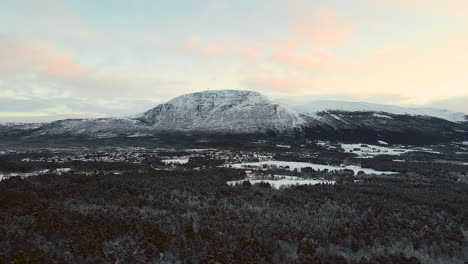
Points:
(247, 112)
(221, 111)
(18, 128)
(92, 127)
(315, 106)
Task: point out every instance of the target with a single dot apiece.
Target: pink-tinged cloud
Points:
(316, 60)
(282, 84)
(390, 53)
(251, 50)
(211, 49)
(195, 47)
(291, 44)
(48, 67)
(462, 57)
(37, 57)
(322, 27)
(63, 65)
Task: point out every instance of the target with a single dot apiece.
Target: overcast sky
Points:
(113, 57)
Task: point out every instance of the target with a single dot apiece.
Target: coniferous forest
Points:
(195, 217)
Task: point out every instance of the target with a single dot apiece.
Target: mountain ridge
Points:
(249, 112)
(315, 106)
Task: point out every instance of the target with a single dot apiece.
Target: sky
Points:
(87, 58)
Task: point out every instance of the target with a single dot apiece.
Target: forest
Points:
(195, 217)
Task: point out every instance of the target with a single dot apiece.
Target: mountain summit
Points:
(221, 111)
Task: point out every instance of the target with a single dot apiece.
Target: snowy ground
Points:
(369, 151)
(282, 181)
(175, 161)
(365, 150)
(299, 165)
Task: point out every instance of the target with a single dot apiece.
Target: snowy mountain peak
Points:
(221, 111)
(219, 97)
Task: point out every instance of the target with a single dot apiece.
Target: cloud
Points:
(399, 54)
(251, 50)
(27, 64)
(47, 109)
(317, 60)
(278, 83)
(457, 8)
(195, 47)
(25, 56)
(321, 27)
(37, 77)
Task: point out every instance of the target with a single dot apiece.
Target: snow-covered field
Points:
(175, 161)
(369, 151)
(282, 181)
(291, 165)
(366, 150)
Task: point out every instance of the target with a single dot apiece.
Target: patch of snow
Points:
(382, 142)
(175, 161)
(337, 117)
(382, 116)
(291, 165)
(139, 135)
(280, 181)
(63, 169)
(368, 151)
(105, 135)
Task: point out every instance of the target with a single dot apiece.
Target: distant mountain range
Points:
(247, 112)
(315, 106)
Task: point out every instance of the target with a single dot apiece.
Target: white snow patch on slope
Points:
(382, 116)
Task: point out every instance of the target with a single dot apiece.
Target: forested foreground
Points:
(194, 217)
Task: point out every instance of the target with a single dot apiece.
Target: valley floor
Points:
(260, 202)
